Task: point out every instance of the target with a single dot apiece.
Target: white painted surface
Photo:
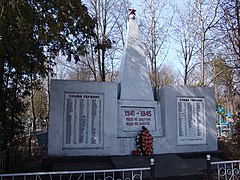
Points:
(118, 141)
(169, 96)
(134, 78)
(107, 92)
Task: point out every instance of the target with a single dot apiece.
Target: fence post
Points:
(7, 158)
(152, 168)
(209, 176)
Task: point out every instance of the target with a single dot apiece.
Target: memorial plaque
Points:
(83, 120)
(136, 117)
(191, 121)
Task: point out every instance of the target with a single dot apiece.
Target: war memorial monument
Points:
(103, 119)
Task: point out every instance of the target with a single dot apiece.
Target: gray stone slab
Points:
(82, 119)
(200, 163)
(167, 165)
(170, 143)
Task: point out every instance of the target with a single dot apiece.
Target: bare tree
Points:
(167, 75)
(185, 35)
(207, 13)
(104, 51)
(229, 50)
(230, 25)
(111, 19)
(155, 27)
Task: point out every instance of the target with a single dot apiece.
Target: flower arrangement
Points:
(144, 142)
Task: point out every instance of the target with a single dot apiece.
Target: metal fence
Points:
(3, 160)
(10, 157)
(227, 170)
(113, 174)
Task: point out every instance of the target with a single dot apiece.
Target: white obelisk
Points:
(134, 81)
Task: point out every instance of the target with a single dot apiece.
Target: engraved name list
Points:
(83, 124)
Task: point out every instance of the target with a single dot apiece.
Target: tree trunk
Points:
(103, 66)
(33, 108)
(202, 58)
(2, 99)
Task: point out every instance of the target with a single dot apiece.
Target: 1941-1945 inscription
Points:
(133, 118)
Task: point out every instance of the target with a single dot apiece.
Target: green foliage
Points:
(236, 134)
(231, 148)
(40, 104)
(63, 25)
(222, 71)
(30, 31)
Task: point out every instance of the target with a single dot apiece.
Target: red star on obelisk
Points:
(132, 11)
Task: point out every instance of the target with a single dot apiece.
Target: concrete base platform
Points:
(167, 166)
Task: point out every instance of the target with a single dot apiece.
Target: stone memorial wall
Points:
(103, 119)
(86, 118)
(82, 119)
(188, 119)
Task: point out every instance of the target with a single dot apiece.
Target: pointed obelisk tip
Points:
(132, 13)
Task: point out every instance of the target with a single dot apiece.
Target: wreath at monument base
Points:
(144, 142)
